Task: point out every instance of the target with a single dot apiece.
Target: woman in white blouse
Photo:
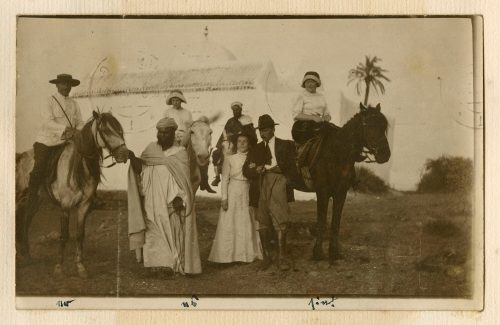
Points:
(236, 238)
(309, 109)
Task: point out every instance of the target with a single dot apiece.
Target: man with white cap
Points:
(162, 218)
(233, 126)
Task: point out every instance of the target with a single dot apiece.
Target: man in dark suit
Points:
(271, 167)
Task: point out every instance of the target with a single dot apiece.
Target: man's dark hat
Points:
(265, 121)
(63, 77)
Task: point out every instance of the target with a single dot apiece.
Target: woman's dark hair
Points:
(243, 134)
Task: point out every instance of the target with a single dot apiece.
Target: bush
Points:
(368, 182)
(447, 174)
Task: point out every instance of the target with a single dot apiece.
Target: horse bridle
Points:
(106, 143)
(367, 149)
(190, 142)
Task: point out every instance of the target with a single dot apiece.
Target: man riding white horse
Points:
(60, 120)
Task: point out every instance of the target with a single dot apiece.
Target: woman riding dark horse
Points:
(332, 170)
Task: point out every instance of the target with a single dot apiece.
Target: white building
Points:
(210, 77)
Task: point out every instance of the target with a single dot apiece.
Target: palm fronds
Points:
(368, 74)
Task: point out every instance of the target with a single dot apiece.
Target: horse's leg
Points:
(322, 199)
(82, 212)
(63, 239)
(338, 206)
(28, 212)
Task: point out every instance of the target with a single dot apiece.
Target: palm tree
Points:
(369, 74)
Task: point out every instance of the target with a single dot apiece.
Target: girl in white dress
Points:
(236, 238)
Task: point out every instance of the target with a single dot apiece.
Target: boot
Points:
(204, 186)
(266, 249)
(283, 260)
(216, 180)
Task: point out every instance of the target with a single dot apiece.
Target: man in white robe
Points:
(162, 219)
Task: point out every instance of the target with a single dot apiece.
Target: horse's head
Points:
(374, 126)
(201, 139)
(108, 134)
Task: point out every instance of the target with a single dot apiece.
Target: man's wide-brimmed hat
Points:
(175, 94)
(63, 77)
(265, 121)
(311, 75)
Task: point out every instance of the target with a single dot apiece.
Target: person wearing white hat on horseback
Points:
(310, 107)
(184, 120)
(182, 116)
(311, 115)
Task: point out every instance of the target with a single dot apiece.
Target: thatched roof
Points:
(230, 76)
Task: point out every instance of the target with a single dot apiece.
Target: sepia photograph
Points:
(249, 162)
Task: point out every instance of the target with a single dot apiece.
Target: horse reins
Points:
(106, 144)
(369, 150)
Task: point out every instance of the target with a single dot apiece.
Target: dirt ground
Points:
(398, 245)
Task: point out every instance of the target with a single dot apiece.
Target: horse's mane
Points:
(352, 123)
(336, 139)
(86, 153)
(86, 150)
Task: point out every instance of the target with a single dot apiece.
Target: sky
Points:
(429, 62)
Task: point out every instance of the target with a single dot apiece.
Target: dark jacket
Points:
(285, 157)
(233, 126)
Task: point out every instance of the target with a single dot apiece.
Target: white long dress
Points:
(236, 238)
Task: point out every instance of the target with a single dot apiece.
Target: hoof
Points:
(264, 265)
(284, 267)
(332, 263)
(317, 255)
(82, 272)
(58, 271)
(24, 260)
(335, 259)
(24, 253)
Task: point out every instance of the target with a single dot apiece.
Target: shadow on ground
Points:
(398, 244)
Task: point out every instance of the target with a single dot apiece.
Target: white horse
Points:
(77, 175)
(199, 148)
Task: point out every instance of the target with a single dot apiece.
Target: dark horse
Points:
(74, 179)
(333, 173)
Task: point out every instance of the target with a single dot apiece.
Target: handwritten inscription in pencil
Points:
(64, 303)
(316, 302)
(193, 303)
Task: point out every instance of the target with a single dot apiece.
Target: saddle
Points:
(309, 151)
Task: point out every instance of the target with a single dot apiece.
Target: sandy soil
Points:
(398, 244)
